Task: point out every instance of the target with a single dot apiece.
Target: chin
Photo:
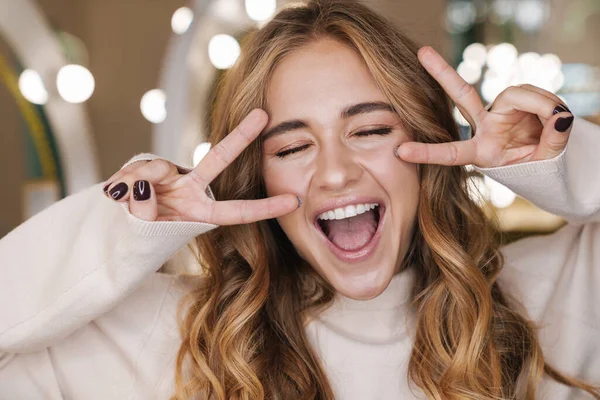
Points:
(366, 286)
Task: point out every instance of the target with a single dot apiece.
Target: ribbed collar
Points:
(383, 319)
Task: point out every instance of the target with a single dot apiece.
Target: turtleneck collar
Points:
(383, 319)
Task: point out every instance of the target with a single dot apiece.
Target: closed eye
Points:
(379, 131)
(285, 153)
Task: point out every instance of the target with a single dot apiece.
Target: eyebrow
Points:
(350, 111)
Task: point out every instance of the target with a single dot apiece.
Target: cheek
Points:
(288, 180)
(399, 178)
(400, 181)
(284, 179)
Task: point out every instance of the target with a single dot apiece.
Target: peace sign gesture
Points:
(524, 124)
(156, 191)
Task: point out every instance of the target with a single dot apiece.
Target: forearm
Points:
(566, 185)
(74, 261)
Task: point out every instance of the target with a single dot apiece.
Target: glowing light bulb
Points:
(469, 71)
(75, 83)
(460, 16)
(260, 10)
(153, 106)
(500, 196)
(182, 20)
(223, 51)
(528, 62)
(475, 53)
(531, 15)
(491, 88)
(32, 87)
(502, 57)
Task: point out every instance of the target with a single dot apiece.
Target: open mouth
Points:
(352, 232)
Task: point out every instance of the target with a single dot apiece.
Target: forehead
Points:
(322, 77)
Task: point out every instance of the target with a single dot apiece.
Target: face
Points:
(330, 140)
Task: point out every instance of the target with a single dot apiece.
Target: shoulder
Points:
(556, 274)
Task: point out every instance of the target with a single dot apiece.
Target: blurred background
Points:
(87, 84)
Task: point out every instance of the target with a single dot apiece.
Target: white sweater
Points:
(85, 315)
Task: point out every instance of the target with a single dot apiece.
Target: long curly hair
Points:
(243, 332)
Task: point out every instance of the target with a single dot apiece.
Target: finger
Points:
(555, 136)
(155, 171)
(550, 95)
(523, 99)
(463, 94)
(223, 154)
(235, 212)
(111, 182)
(546, 93)
(143, 202)
(451, 153)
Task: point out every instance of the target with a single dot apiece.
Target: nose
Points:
(337, 168)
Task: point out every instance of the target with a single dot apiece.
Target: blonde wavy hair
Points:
(243, 333)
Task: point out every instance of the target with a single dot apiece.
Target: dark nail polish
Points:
(559, 108)
(299, 201)
(118, 191)
(141, 190)
(106, 187)
(563, 124)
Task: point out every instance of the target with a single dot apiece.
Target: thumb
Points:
(555, 136)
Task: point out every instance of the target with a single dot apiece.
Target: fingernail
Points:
(560, 108)
(299, 201)
(106, 187)
(118, 191)
(141, 190)
(396, 151)
(563, 124)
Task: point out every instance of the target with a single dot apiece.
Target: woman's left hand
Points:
(524, 124)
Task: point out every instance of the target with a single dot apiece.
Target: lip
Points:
(363, 253)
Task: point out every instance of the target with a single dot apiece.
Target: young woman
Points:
(350, 262)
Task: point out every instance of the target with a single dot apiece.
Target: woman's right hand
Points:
(156, 191)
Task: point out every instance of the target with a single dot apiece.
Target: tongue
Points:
(351, 233)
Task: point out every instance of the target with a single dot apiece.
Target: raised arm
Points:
(79, 258)
(527, 140)
(73, 262)
(567, 185)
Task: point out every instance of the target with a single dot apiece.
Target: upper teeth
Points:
(348, 211)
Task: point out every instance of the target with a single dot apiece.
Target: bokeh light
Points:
(75, 83)
(499, 195)
(223, 51)
(502, 57)
(32, 87)
(261, 10)
(153, 106)
(182, 20)
(469, 71)
(475, 53)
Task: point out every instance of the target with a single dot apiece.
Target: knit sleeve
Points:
(76, 260)
(556, 277)
(566, 185)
